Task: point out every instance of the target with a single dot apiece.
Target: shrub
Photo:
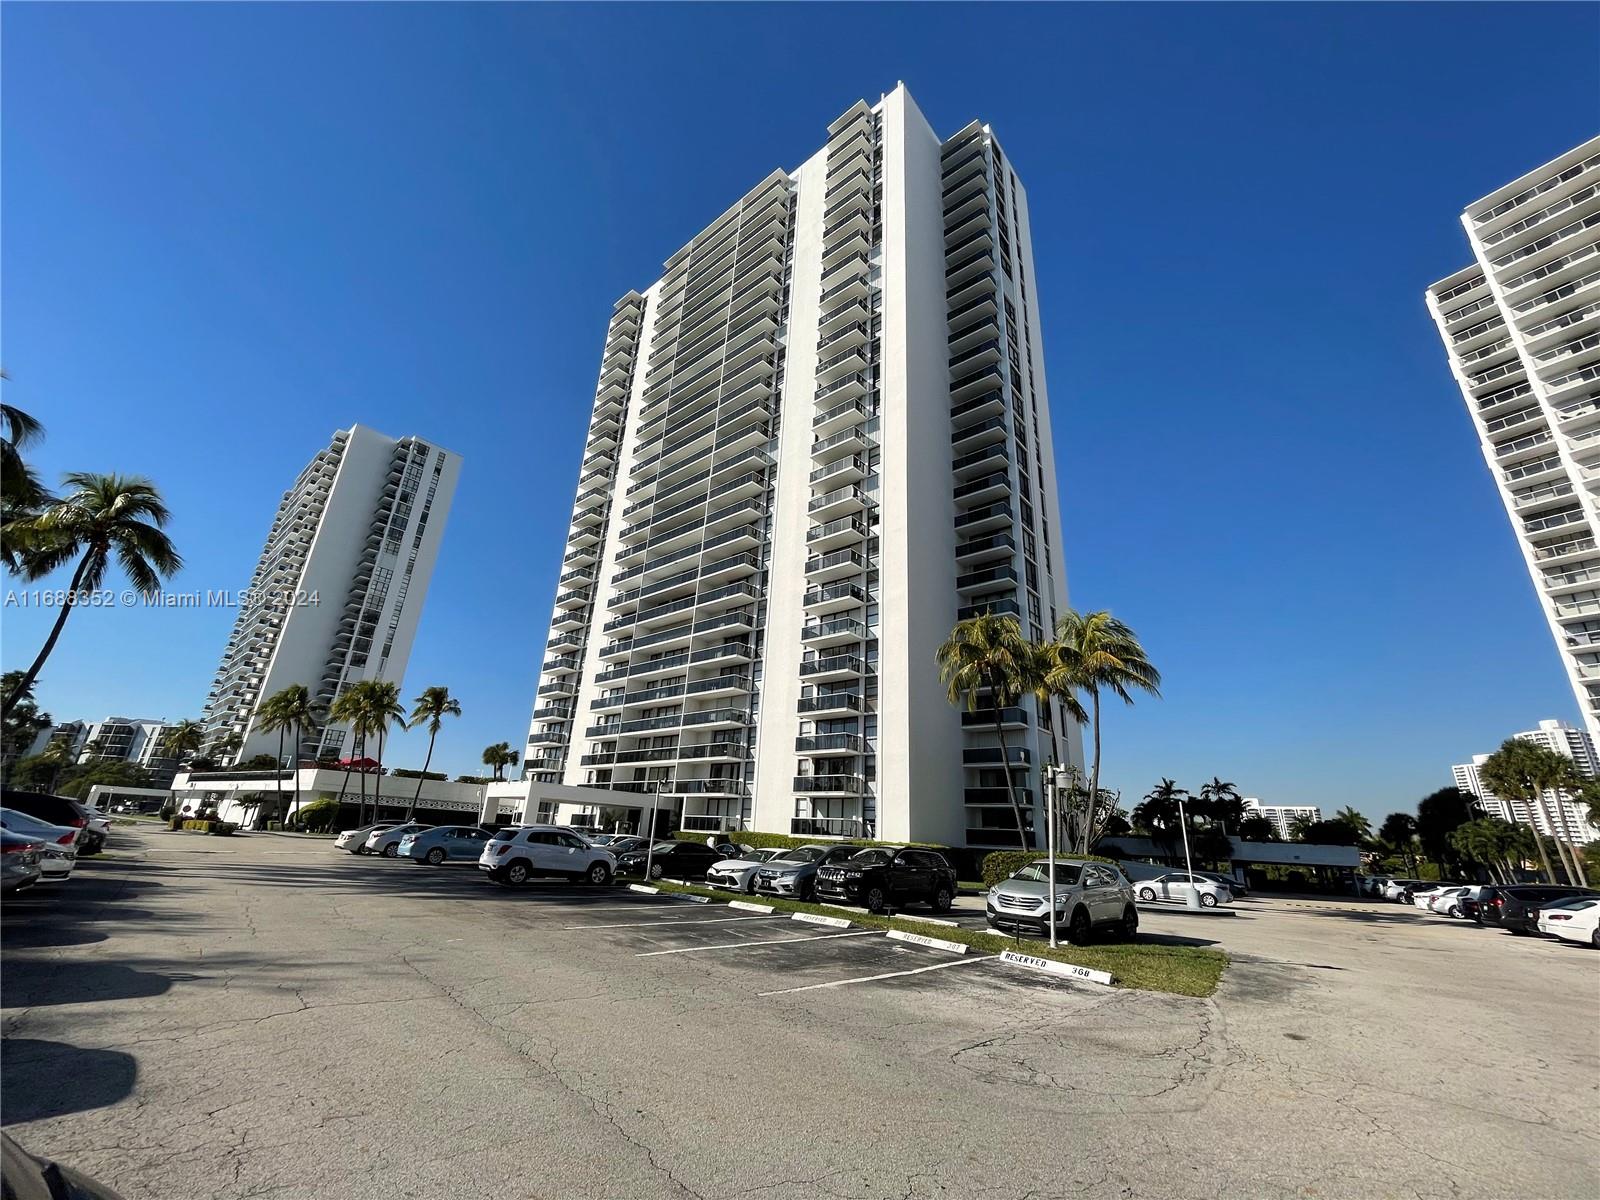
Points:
(1002, 864)
(221, 828)
(317, 817)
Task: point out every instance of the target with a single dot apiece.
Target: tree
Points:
(1358, 823)
(1159, 814)
(988, 654)
(347, 709)
(1522, 770)
(272, 717)
(1399, 832)
(372, 706)
(226, 746)
(21, 493)
(1256, 828)
(432, 706)
(498, 757)
(1221, 802)
(186, 737)
(24, 723)
(298, 708)
(1095, 653)
(101, 516)
(1438, 813)
(1299, 826)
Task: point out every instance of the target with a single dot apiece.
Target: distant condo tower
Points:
(1522, 328)
(819, 440)
(336, 595)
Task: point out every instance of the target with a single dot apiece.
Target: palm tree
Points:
(100, 516)
(432, 706)
(1399, 830)
(1521, 770)
(988, 654)
(1356, 821)
(1094, 653)
(1221, 802)
(498, 757)
(383, 709)
(1160, 812)
(272, 716)
(1300, 826)
(186, 737)
(347, 709)
(227, 746)
(21, 493)
(299, 710)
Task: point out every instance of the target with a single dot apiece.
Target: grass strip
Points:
(1179, 970)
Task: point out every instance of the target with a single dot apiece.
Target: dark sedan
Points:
(687, 861)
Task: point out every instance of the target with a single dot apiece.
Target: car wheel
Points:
(657, 871)
(1078, 927)
(598, 874)
(1130, 924)
(941, 900)
(750, 888)
(1207, 900)
(1594, 939)
(1147, 893)
(874, 899)
(392, 849)
(1454, 911)
(517, 873)
(435, 856)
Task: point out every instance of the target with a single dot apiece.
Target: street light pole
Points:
(650, 834)
(1050, 840)
(1188, 865)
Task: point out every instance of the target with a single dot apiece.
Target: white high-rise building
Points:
(1282, 816)
(127, 739)
(1522, 328)
(819, 440)
(1567, 820)
(339, 588)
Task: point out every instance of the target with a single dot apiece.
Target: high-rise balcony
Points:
(567, 640)
(823, 567)
(830, 744)
(813, 784)
(987, 579)
(1562, 179)
(733, 684)
(966, 385)
(580, 575)
(834, 534)
(853, 218)
(547, 737)
(840, 471)
(717, 718)
(835, 417)
(1559, 240)
(969, 224)
(852, 244)
(983, 490)
(834, 597)
(730, 652)
(569, 618)
(714, 752)
(553, 712)
(849, 441)
(991, 756)
(988, 548)
(1556, 271)
(984, 460)
(852, 286)
(839, 703)
(837, 503)
(851, 360)
(958, 295)
(958, 211)
(833, 633)
(850, 310)
(561, 687)
(577, 598)
(965, 438)
(986, 519)
(1010, 718)
(839, 666)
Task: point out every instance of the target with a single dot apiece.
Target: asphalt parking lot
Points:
(206, 1017)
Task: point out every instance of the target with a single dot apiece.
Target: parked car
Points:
(1177, 885)
(59, 843)
(1237, 886)
(622, 843)
(1574, 921)
(1373, 885)
(514, 856)
(1452, 901)
(1513, 907)
(1087, 895)
(795, 874)
(1537, 913)
(1423, 898)
(19, 861)
(355, 840)
(1395, 889)
(443, 843)
(881, 876)
(387, 841)
(674, 859)
(738, 874)
(59, 810)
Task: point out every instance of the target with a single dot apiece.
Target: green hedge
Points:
(1002, 864)
(317, 817)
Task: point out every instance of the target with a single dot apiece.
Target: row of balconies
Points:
(1539, 189)
(715, 718)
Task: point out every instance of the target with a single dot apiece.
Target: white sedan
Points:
(1578, 922)
(1443, 900)
(739, 874)
(1177, 885)
(58, 844)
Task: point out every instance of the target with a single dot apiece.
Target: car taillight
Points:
(65, 839)
(502, 850)
(1558, 916)
(21, 847)
(77, 822)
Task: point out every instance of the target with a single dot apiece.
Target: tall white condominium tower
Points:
(1570, 821)
(1522, 328)
(818, 440)
(340, 585)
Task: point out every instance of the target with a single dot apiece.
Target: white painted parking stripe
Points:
(821, 937)
(669, 922)
(811, 987)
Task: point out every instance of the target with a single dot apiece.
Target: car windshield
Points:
(1039, 872)
(805, 854)
(872, 858)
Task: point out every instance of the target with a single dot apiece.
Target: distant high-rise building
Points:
(1522, 328)
(819, 440)
(1567, 819)
(127, 739)
(339, 587)
(1282, 816)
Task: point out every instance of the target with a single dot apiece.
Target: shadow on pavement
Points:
(42, 984)
(50, 1079)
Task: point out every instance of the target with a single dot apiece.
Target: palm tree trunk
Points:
(1561, 850)
(1571, 843)
(412, 810)
(361, 809)
(32, 673)
(1544, 855)
(1005, 766)
(295, 811)
(1094, 775)
(278, 807)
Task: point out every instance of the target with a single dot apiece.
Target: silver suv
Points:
(795, 874)
(1089, 895)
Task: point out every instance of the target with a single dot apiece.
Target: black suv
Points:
(879, 877)
(1517, 907)
(58, 810)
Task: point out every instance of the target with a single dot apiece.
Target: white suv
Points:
(516, 855)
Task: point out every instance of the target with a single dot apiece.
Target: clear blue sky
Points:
(230, 229)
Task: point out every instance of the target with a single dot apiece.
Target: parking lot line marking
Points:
(647, 925)
(811, 987)
(820, 937)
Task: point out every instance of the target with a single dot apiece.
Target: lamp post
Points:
(1050, 841)
(1193, 896)
(650, 833)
